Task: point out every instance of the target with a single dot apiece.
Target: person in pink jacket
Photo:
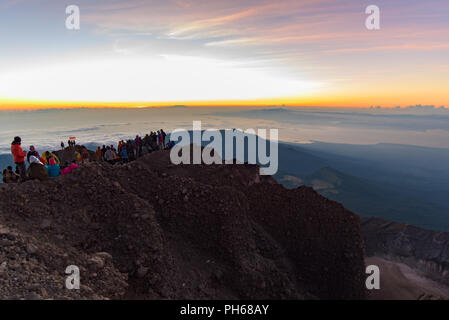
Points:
(73, 166)
(66, 169)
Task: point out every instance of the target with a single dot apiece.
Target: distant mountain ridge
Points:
(371, 199)
(398, 183)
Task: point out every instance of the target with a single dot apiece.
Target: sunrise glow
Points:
(160, 53)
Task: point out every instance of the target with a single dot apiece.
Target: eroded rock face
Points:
(423, 250)
(152, 230)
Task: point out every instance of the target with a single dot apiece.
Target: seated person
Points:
(9, 176)
(37, 169)
(53, 168)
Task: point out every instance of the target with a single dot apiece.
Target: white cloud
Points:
(167, 78)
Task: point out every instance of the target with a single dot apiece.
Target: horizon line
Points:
(15, 105)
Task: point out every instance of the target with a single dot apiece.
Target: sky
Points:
(210, 52)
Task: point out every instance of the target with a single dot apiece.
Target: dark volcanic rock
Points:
(69, 154)
(152, 230)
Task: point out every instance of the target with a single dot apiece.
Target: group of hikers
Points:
(47, 165)
(40, 167)
(71, 143)
(132, 149)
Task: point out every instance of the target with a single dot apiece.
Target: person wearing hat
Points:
(19, 157)
(32, 152)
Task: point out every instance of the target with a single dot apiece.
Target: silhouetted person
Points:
(163, 134)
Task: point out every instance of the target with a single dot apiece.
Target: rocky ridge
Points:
(152, 230)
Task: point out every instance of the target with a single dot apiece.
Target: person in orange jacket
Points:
(19, 157)
(99, 154)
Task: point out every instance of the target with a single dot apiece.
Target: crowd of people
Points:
(132, 149)
(48, 165)
(41, 167)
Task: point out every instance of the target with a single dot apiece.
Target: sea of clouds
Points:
(45, 129)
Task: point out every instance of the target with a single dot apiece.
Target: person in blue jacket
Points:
(124, 155)
(53, 168)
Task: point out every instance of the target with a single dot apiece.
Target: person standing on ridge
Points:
(85, 154)
(99, 154)
(163, 134)
(109, 155)
(159, 139)
(138, 143)
(19, 157)
(124, 155)
(103, 151)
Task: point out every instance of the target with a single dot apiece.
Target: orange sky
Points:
(159, 53)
